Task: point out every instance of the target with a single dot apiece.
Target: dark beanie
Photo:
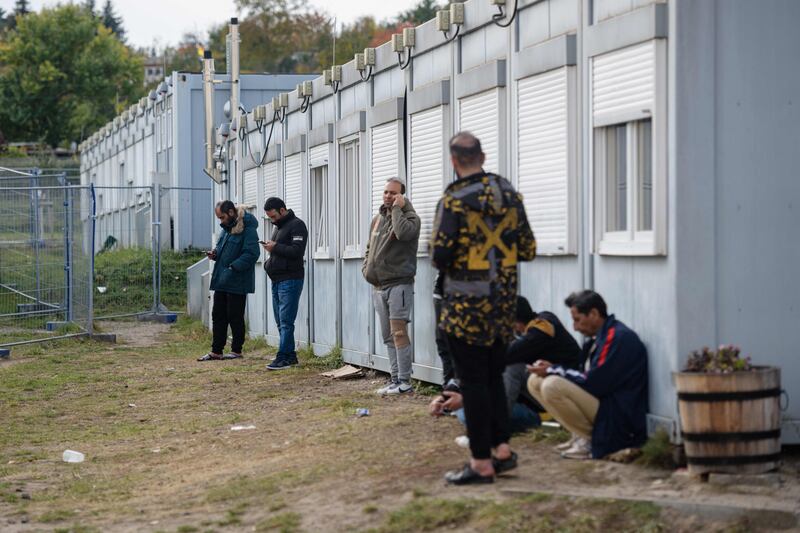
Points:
(524, 312)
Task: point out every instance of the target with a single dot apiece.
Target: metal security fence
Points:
(72, 254)
(45, 257)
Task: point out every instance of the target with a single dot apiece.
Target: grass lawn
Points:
(155, 426)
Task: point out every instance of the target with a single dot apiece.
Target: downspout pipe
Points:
(208, 101)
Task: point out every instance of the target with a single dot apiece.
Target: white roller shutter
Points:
(479, 114)
(250, 196)
(294, 185)
(543, 157)
(426, 169)
(270, 179)
(623, 83)
(318, 155)
(385, 148)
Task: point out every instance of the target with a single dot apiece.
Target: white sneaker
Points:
(582, 449)
(462, 441)
(400, 388)
(385, 389)
(564, 446)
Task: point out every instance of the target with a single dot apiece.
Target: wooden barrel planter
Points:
(731, 422)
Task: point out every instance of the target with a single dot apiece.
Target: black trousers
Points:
(442, 347)
(480, 371)
(228, 310)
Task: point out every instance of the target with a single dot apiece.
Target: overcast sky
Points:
(165, 21)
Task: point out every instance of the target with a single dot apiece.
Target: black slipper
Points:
(467, 476)
(210, 357)
(504, 465)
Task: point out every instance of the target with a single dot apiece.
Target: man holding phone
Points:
(287, 248)
(390, 264)
(233, 277)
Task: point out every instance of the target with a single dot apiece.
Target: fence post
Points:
(35, 232)
(156, 213)
(62, 179)
(93, 218)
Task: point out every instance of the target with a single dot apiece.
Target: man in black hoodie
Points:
(286, 248)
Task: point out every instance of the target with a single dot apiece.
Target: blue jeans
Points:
(522, 418)
(285, 301)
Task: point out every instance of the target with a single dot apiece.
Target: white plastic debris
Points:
(131, 405)
(242, 428)
(71, 456)
(102, 290)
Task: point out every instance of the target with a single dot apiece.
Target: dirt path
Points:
(161, 456)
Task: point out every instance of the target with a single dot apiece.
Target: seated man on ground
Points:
(540, 335)
(605, 407)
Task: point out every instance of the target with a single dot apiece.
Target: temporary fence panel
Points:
(426, 171)
(544, 171)
(480, 115)
(45, 261)
(385, 160)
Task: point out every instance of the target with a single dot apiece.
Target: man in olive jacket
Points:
(233, 278)
(390, 264)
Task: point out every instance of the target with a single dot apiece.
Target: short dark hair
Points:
(524, 312)
(274, 203)
(401, 182)
(225, 206)
(586, 300)
(466, 148)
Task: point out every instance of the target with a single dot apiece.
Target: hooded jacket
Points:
(286, 259)
(391, 256)
(480, 233)
(236, 255)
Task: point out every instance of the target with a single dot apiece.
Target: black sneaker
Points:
(281, 364)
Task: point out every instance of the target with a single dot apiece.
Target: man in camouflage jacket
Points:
(480, 234)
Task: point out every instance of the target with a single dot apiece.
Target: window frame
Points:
(354, 216)
(320, 212)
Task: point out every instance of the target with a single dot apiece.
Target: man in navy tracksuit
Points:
(606, 407)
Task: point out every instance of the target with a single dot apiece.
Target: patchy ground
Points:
(155, 426)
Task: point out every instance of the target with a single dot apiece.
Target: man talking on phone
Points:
(390, 264)
(287, 248)
(233, 278)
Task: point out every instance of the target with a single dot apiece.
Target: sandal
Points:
(232, 355)
(467, 476)
(210, 357)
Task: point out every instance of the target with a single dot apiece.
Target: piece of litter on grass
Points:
(156, 450)
(345, 372)
(170, 369)
(71, 456)
(131, 405)
(242, 428)
(362, 411)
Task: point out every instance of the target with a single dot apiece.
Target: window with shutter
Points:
(250, 187)
(546, 158)
(426, 168)
(385, 158)
(294, 185)
(318, 155)
(270, 180)
(479, 114)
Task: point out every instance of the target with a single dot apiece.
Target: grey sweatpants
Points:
(393, 306)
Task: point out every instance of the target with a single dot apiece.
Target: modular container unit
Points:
(654, 143)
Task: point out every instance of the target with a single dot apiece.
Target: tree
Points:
(63, 76)
(90, 7)
(112, 21)
(21, 9)
(424, 11)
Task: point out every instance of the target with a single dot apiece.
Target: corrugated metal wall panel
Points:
(543, 157)
(385, 150)
(479, 114)
(318, 155)
(270, 180)
(426, 171)
(294, 185)
(624, 80)
(251, 186)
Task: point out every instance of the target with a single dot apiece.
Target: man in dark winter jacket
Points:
(233, 278)
(606, 406)
(287, 249)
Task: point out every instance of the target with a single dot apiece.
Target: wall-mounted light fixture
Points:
(402, 44)
(365, 61)
(447, 17)
(501, 14)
